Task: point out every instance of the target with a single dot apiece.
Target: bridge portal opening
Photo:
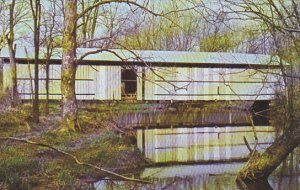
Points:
(129, 83)
(261, 112)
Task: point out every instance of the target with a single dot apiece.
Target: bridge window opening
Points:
(129, 83)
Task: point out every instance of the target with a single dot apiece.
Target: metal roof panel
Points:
(180, 57)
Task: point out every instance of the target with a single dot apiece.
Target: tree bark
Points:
(84, 25)
(68, 68)
(47, 84)
(259, 167)
(1, 76)
(49, 51)
(13, 88)
(36, 13)
(93, 25)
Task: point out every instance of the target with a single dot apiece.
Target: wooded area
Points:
(270, 27)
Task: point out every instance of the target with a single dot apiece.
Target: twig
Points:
(77, 161)
(254, 129)
(30, 76)
(254, 151)
(247, 144)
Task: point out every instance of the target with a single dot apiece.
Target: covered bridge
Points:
(153, 75)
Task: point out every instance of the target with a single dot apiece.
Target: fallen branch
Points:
(77, 161)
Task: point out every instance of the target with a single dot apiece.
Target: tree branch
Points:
(77, 161)
(132, 3)
(247, 144)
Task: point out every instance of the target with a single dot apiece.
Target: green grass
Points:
(15, 117)
(24, 166)
(16, 169)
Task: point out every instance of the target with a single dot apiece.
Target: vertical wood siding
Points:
(139, 93)
(178, 83)
(92, 82)
(160, 83)
(108, 83)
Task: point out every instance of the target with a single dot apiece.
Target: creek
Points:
(200, 150)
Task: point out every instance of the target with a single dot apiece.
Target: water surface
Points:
(195, 177)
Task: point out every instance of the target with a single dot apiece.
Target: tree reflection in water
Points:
(207, 177)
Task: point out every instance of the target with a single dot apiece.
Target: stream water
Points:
(202, 158)
(196, 177)
(205, 157)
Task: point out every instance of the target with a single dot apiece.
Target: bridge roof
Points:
(118, 56)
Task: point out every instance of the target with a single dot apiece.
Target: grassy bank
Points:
(24, 166)
(103, 141)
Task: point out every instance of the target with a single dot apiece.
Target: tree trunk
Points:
(36, 87)
(49, 51)
(47, 85)
(13, 65)
(93, 25)
(68, 68)
(1, 76)
(36, 70)
(36, 16)
(259, 167)
(84, 25)
(13, 77)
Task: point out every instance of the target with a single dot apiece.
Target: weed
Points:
(15, 117)
(16, 171)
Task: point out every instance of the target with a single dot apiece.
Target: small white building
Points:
(153, 75)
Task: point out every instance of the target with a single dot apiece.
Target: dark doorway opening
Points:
(261, 112)
(129, 83)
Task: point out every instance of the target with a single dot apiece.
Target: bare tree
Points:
(282, 21)
(69, 45)
(12, 14)
(3, 7)
(88, 23)
(36, 16)
(12, 57)
(50, 31)
(175, 31)
(68, 67)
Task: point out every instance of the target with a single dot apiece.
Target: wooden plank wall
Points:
(108, 83)
(92, 82)
(161, 83)
(209, 84)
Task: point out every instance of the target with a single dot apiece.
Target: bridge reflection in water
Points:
(201, 144)
(206, 114)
